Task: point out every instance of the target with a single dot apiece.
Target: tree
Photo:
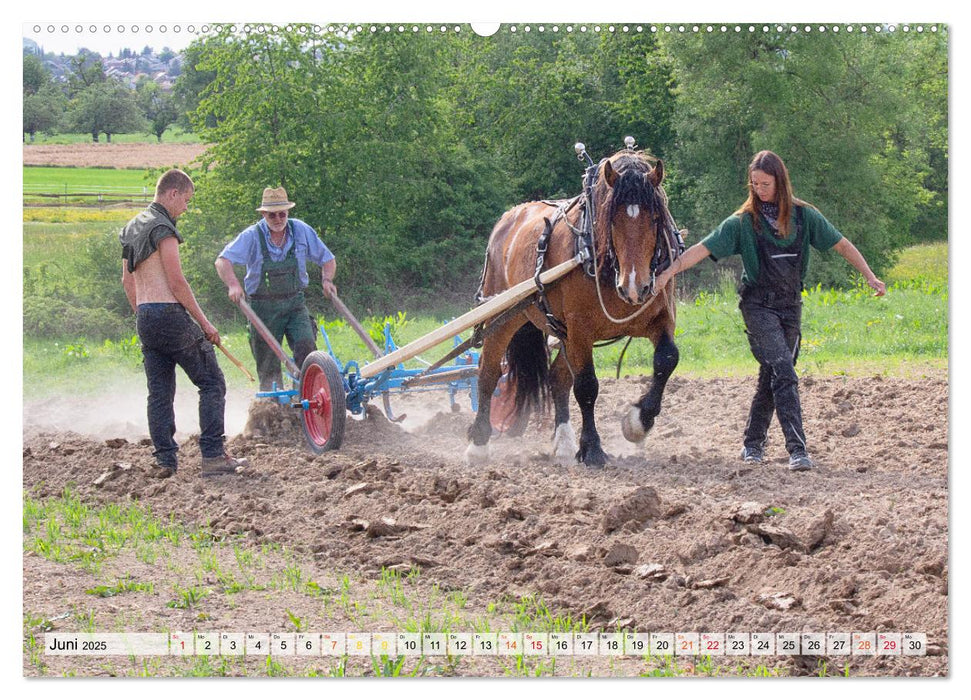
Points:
(35, 74)
(157, 105)
(86, 69)
(107, 107)
(832, 105)
(43, 110)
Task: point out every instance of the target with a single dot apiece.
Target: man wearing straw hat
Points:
(275, 251)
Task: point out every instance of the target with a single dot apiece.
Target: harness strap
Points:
(554, 325)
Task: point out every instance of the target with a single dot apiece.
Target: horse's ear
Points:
(610, 175)
(655, 176)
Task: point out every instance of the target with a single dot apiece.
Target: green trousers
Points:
(287, 318)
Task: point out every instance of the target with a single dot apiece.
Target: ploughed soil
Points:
(676, 534)
(114, 155)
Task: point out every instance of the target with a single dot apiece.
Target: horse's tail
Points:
(527, 358)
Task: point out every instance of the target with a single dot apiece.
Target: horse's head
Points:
(630, 213)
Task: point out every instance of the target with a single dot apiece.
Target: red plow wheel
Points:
(325, 412)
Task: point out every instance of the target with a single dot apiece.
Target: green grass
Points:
(65, 180)
(928, 262)
(173, 134)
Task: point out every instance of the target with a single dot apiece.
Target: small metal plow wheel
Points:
(324, 402)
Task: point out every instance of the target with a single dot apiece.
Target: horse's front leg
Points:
(639, 420)
(564, 439)
(585, 389)
(490, 370)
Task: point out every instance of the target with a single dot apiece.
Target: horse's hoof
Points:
(631, 425)
(476, 455)
(564, 445)
(593, 457)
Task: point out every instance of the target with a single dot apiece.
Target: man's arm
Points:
(327, 272)
(224, 268)
(168, 249)
(855, 258)
(128, 282)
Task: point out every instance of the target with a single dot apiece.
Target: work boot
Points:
(223, 464)
(799, 461)
(752, 455)
(160, 471)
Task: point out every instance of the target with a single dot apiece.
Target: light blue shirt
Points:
(245, 249)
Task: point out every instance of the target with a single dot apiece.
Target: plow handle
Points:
(349, 317)
(268, 338)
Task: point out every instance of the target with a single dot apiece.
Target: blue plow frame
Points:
(460, 376)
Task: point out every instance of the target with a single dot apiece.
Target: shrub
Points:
(55, 318)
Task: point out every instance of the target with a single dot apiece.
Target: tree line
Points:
(89, 101)
(404, 148)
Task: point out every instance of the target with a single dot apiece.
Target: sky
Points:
(109, 38)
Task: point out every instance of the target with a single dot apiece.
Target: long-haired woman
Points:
(773, 231)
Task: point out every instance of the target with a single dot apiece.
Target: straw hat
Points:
(275, 199)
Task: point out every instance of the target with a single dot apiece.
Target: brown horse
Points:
(630, 220)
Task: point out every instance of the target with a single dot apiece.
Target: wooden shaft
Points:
(483, 312)
(236, 362)
(443, 377)
(349, 317)
(268, 337)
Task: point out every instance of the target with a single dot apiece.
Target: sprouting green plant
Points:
(340, 670)
(531, 614)
(187, 597)
(525, 666)
(274, 668)
(124, 585)
(244, 557)
(293, 577)
(297, 622)
(315, 589)
(86, 620)
(387, 667)
(774, 510)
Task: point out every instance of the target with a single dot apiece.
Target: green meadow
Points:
(173, 134)
(56, 179)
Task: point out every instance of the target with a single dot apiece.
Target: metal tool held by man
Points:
(265, 334)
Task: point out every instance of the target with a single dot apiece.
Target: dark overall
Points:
(169, 338)
(279, 302)
(772, 310)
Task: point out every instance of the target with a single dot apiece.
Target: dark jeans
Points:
(774, 335)
(169, 338)
(284, 318)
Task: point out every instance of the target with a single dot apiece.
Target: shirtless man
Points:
(165, 308)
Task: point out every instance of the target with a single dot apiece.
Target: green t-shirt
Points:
(736, 236)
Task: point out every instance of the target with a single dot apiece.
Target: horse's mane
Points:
(630, 187)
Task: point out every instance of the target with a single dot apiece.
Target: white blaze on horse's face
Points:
(634, 235)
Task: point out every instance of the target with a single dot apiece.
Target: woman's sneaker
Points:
(224, 464)
(799, 461)
(752, 455)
